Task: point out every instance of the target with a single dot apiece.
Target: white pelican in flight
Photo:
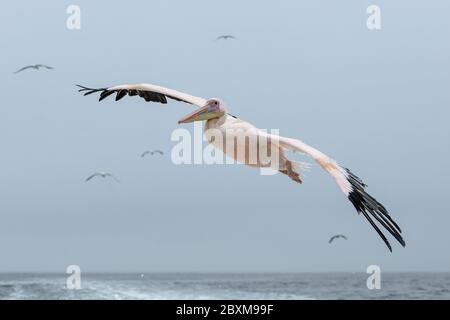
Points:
(217, 119)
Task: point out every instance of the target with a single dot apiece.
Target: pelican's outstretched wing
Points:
(352, 186)
(149, 92)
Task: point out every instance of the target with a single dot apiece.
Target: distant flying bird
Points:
(35, 67)
(226, 37)
(337, 237)
(152, 153)
(103, 175)
(214, 112)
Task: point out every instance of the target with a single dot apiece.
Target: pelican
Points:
(213, 111)
(151, 153)
(103, 175)
(226, 37)
(337, 237)
(35, 67)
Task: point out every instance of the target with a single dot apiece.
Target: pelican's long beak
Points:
(206, 112)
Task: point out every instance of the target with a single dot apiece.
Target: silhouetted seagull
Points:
(226, 37)
(35, 67)
(152, 153)
(103, 175)
(337, 237)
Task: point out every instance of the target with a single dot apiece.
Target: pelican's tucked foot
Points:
(291, 173)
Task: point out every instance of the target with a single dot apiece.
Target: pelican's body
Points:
(240, 149)
(247, 144)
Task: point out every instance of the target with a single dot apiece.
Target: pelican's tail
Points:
(301, 166)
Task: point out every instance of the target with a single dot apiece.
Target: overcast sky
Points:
(376, 101)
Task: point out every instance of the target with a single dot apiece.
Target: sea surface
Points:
(226, 286)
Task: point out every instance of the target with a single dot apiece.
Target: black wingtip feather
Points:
(121, 94)
(88, 91)
(105, 94)
(370, 207)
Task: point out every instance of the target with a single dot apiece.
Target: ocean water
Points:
(226, 286)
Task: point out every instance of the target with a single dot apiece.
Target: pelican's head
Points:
(213, 108)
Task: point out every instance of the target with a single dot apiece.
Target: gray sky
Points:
(376, 101)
